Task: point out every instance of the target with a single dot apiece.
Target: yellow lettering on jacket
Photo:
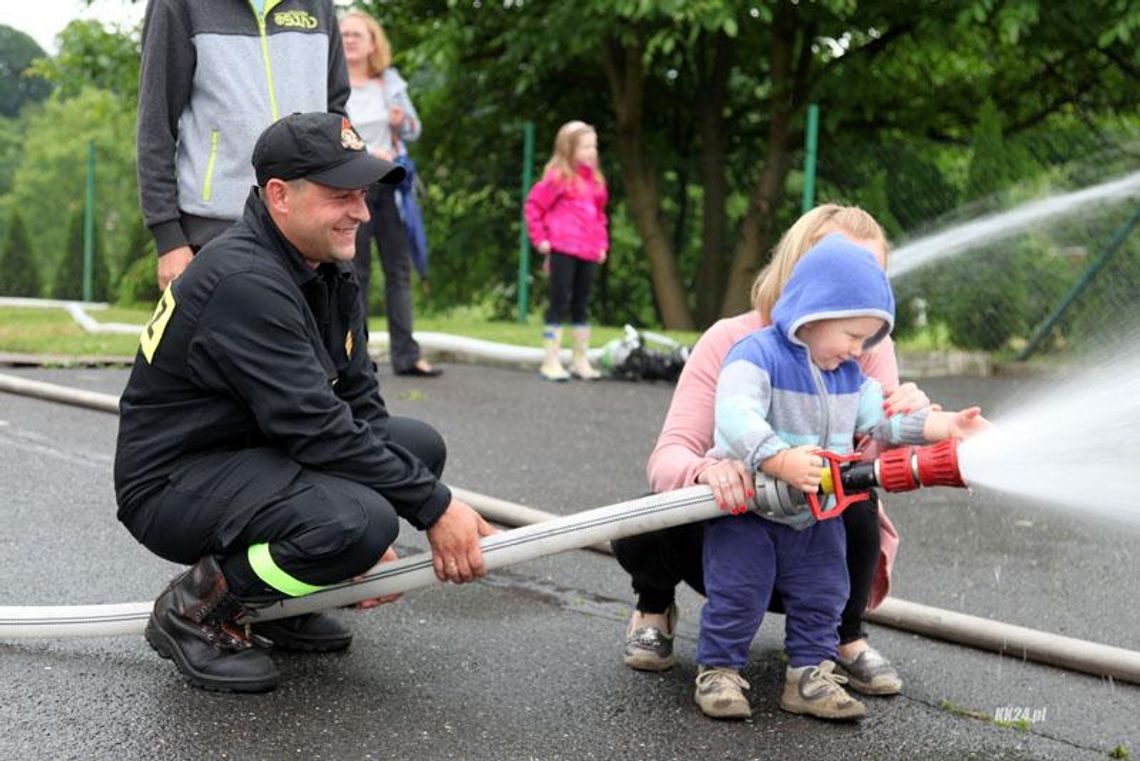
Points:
(295, 19)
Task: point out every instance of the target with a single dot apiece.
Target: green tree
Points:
(712, 95)
(17, 86)
(49, 184)
(68, 281)
(995, 163)
(19, 274)
(10, 145)
(92, 55)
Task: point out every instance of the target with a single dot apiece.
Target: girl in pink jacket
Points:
(566, 220)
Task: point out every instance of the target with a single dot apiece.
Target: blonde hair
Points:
(381, 56)
(808, 230)
(565, 143)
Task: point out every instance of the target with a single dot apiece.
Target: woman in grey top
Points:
(383, 114)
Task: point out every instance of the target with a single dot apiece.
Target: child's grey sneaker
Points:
(720, 693)
(818, 691)
(648, 648)
(871, 674)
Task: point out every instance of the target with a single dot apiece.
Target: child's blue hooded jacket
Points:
(770, 396)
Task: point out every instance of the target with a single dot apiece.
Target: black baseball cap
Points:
(323, 148)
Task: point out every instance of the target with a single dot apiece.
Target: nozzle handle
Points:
(843, 500)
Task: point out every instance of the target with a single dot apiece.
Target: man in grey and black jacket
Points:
(215, 73)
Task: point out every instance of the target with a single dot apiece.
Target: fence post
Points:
(89, 227)
(811, 144)
(524, 240)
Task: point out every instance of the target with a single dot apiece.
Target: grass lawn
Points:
(52, 331)
(27, 330)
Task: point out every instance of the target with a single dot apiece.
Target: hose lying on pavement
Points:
(536, 540)
(547, 534)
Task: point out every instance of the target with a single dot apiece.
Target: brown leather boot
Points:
(194, 624)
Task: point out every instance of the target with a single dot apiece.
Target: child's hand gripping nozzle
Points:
(850, 481)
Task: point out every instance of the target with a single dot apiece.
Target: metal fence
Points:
(1044, 276)
(1043, 264)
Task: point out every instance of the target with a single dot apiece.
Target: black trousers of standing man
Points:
(387, 229)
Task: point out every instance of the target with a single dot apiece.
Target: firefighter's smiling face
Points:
(319, 220)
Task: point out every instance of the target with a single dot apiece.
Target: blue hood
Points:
(835, 279)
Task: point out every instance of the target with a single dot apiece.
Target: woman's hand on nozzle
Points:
(731, 483)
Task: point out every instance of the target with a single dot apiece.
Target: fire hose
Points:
(904, 471)
(588, 529)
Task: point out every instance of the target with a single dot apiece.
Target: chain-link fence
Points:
(1047, 262)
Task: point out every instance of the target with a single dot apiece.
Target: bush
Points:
(987, 297)
(139, 284)
(623, 290)
(19, 275)
(68, 283)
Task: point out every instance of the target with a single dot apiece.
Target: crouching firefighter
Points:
(253, 442)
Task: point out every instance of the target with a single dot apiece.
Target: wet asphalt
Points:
(526, 664)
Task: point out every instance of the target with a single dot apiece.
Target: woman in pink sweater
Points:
(658, 561)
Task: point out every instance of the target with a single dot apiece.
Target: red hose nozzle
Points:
(907, 468)
(938, 464)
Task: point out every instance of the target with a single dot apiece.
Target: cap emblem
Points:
(348, 137)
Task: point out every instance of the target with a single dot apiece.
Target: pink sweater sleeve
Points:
(687, 433)
(881, 364)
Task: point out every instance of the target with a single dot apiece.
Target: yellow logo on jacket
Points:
(295, 19)
(154, 329)
(348, 344)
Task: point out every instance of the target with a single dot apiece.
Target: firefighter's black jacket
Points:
(250, 347)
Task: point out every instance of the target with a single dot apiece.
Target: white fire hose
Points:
(547, 535)
(533, 541)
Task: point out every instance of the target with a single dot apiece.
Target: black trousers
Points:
(321, 529)
(660, 560)
(395, 262)
(571, 280)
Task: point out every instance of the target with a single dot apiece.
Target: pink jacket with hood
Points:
(570, 214)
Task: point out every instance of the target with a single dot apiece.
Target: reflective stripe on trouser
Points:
(262, 563)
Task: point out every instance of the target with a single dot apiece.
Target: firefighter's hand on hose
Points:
(798, 467)
(731, 483)
(454, 538)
